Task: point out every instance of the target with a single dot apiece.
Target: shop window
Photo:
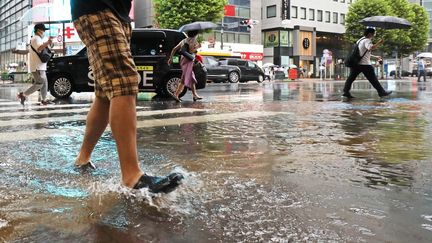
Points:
(244, 39)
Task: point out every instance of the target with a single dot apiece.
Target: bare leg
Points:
(122, 119)
(194, 92)
(180, 88)
(97, 121)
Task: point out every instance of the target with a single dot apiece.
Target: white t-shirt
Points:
(34, 61)
(365, 45)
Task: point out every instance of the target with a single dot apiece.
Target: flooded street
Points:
(270, 162)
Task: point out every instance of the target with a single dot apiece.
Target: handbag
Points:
(45, 55)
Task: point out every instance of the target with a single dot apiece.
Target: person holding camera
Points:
(37, 67)
(364, 66)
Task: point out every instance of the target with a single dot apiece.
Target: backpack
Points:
(354, 57)
(45, 55)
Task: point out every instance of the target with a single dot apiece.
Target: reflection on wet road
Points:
(271, 162)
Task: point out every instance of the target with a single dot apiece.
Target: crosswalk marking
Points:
(19, 107)
(26, 121)
(47, 133)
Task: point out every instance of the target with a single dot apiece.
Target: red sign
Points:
(251, 56)
(230, 10)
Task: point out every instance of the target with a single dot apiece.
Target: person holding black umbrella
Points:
(364, 66)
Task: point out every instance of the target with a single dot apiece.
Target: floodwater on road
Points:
(271, 162)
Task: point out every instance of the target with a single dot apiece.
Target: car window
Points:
(210, 61)
(144, 44)
(241, 63)
(251, 65)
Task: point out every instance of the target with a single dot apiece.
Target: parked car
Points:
(218, 72)
(150, 50)
(249, 70)
(404, 73)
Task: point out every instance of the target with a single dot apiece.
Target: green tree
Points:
(172, 14)
(419, 31)
(359, 10)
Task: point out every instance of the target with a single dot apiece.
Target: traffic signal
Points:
(249, 22)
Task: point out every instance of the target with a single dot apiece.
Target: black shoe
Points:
(85, 167)
(386, 93)
(157, 184)
(195, 98)
(348, 96)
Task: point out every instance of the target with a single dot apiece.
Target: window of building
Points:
(327, 16)
(243, 12)
(294, 12)
(271, 11)
(311, 14)
(342, 18)
(244, 39)
(303, 13)
(335, 18)
(320, 15)
(342, 1)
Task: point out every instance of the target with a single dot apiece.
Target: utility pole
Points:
(222, 32)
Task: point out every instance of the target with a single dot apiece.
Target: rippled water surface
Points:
(272, 162)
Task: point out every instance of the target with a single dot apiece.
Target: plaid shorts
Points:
(108, 49)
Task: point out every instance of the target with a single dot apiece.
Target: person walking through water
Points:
(421, 70)
(364, 66)
(37, 67)
(187, 63)
(104, 27)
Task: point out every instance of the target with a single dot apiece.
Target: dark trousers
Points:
(421, 73)
(368, 72)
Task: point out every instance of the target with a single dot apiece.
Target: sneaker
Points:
(85, 167)
(386, 93)
(348, 96)
(157, 184)
(21, 97)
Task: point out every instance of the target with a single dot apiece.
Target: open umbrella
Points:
(386, 22)
(47, 12)
(200, 25)
(425, 54)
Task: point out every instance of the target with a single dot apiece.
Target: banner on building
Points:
(284, 38)
(286, 5)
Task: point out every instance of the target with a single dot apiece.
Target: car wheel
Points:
(233, 77)
(260, 78)
(171, 85)
(61, 86)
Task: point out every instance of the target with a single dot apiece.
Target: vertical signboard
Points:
(286, 5)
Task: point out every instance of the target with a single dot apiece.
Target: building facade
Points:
(13, 33)
(304, 33)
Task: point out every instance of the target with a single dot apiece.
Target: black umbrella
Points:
(386, 22)
(200, 25)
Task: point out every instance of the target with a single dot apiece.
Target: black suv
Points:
(150, 50)
(217, 72)
(249, 70)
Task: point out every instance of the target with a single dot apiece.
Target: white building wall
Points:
(324, 5)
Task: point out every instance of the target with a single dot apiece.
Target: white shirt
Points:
(365, 45)
(34, 61)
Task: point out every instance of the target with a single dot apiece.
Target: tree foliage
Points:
(172, 14)
(403, 41)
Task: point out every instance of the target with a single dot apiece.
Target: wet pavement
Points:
(271, 162)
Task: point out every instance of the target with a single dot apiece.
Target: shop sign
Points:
(252, 56)
(306, 43)
(286, 5)
(271, 39)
